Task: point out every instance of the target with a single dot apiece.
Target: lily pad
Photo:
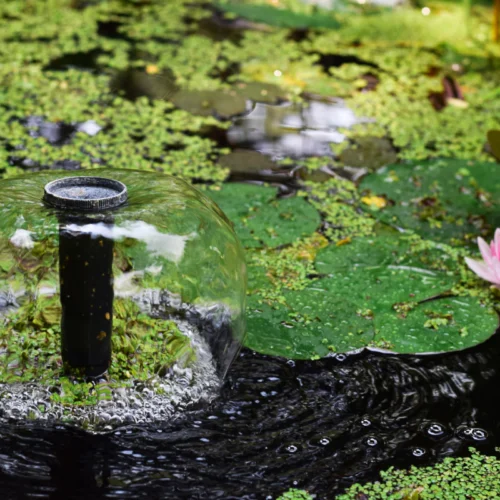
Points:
(261, 92)
(386, 292)
(494, 142)
(261, 219)
(210, 102)
(247, 161)
(262, 13)
(369, 152)
(445, 200)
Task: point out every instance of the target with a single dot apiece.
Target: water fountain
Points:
(122, 297)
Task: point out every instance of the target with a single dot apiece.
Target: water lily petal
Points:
(495, 266)
(481, 269)
(485, 250)
(496, 243)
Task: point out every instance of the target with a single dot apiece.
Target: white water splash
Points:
(168, 246)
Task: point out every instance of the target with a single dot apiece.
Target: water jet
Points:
(124, 297)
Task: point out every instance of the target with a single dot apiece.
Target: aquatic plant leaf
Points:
(261, 92)
(262, 13)
(475, 476)
(446, 200)
(210, 102)
(247, 161)
(379, 292)
(494, 142)
(262, 220)
(369, 152)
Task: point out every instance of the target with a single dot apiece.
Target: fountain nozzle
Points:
(85, 269)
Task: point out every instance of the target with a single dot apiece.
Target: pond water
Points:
(320, 425)
(277, 424)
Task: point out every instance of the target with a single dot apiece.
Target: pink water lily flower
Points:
(489, 268)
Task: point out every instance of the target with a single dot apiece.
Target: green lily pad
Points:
(209, 102)
(387, 292)
(260, 219)
(494, 142)
(369, 152)
(285, 18)
(261, 92)
(247, 161)
(444, 200)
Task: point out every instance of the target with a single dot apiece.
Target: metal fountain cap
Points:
(90, 194)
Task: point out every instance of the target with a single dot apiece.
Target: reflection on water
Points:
(319, 425)
(293, 130)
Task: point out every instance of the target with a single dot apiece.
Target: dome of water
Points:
(114, 310)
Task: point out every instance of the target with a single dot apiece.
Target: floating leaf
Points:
(369, 152)
(377, 294)
(267, 14)
(208, 102)
(261, 92)
(247, 161)
(494, 142)
(262, 220)
(444, 200)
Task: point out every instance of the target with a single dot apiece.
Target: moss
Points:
(475, 477)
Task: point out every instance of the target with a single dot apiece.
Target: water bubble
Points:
(291, 363)
(340, 357)
(435, 430)
(418, 452)
(371, 441)
(365, 422)
(324, 441)
(474, 433)
(479, 434)
(292, 448)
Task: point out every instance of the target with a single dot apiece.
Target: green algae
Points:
(338, 201)
(143, 134)
(142, 349)
(473, 477)
(295, 494)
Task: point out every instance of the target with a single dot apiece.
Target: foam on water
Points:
(156, 400)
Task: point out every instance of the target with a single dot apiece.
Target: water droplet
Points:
(340, 357)
(435, 430)
(372, 441)
(418, 452)
(365, 422)
(324, 441)
(479, 434)
(292, 448)
(290, 362)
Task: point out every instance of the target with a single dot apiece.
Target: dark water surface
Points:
(320, 425)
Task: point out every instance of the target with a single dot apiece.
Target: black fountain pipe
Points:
(86, 268)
